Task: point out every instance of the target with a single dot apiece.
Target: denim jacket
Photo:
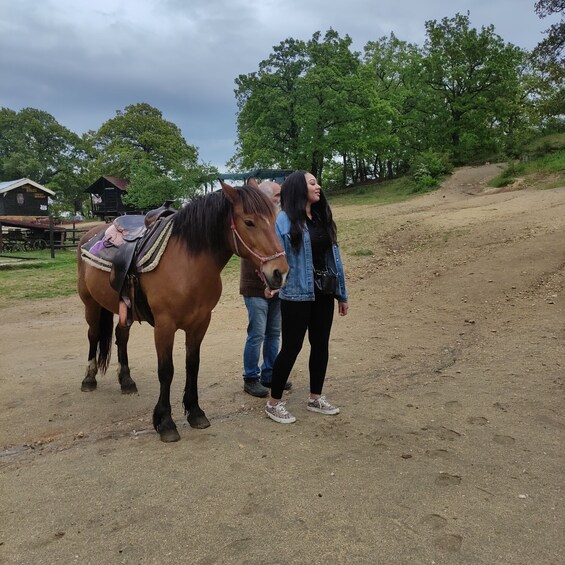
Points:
(300, 281)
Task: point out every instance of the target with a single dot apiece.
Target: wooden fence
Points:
(17, 240)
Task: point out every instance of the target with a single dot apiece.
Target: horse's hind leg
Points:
(92, 315)
(194, 414)
(126, 382)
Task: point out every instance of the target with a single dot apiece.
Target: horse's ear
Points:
(252, 182)
(231, 193)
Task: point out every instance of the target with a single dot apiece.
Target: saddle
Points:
(131, 245)
(139, 233)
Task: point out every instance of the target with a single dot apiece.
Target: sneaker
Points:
(255, 388)
(279, 413)
(287, 386)
(322, 406)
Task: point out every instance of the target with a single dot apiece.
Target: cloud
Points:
(81, 60)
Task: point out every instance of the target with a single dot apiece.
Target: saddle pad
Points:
(150, 248)
(153, 244)
(96, 253)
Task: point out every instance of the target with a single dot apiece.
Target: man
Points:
(264, 318)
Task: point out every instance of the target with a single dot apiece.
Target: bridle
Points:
(261, 258)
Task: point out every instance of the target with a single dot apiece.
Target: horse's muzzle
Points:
(275, 279)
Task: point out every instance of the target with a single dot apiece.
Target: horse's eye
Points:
(249, 223)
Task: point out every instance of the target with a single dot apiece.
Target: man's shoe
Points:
(255, 388)
(287, 386)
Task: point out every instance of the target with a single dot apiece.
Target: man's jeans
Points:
(264, 329)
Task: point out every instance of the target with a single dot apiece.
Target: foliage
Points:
(428, 167)
(472, 80)
(138, 144)
(550, 49)
(149, 189)
(34, 145)
(541, 146)
(548, 68)
(550, 166)
(319, 106)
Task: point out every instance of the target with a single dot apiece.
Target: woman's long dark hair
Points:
(294, 197)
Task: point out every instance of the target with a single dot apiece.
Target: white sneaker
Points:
(279, 413)
(322, 406)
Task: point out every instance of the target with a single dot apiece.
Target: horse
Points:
(182, 291)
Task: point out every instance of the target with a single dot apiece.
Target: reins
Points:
(261, 258)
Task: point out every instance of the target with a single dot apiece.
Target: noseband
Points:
(261, 258)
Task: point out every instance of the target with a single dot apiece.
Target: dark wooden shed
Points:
(106, 198)
(24, 198)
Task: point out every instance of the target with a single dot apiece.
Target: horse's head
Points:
(253, 234)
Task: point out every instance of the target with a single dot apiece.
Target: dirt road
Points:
(449, 449)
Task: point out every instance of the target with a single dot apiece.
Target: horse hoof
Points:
(200, 422)
(168, 436)
(129, 389)
(88, 386)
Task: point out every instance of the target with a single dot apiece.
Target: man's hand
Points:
(270, 293)
(343, 307)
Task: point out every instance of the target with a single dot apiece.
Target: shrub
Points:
(431, 163)
(428, 167)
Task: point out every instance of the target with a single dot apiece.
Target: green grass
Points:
(387, 192)
(551, 164)
(43, 278)
(540, 146)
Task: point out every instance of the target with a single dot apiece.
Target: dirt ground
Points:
(449, 371)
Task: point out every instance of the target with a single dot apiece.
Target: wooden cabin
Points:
(24, 198)
(106, 198)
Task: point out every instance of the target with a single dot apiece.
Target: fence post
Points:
(51, 237)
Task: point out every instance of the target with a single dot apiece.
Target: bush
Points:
(425, 182)
(428, 168)
(541, 146)
(432, 164)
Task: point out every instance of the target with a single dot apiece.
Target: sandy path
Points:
(449, 370)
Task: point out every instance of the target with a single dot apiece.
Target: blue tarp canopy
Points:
(263, 174)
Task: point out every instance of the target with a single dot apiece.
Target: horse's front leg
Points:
(124, 378)
(162, 417)
(194, 414)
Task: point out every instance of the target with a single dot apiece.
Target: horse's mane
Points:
(202, 223)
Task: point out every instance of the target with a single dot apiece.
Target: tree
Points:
(300, 105)
(398, 132)
(550, 49)
(268, 130)
(469, 75)
(149, 151)
(548, 67)
(34, 145)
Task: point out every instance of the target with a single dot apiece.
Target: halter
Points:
(261, 258)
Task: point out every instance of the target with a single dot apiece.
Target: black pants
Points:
(297, 317)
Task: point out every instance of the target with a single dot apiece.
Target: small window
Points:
(20, 198)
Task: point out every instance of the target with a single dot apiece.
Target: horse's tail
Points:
(106, 328)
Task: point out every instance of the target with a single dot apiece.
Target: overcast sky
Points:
(81, 60)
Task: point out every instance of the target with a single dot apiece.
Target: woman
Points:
(308, 233)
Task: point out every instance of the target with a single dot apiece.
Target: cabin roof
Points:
(6, 186)
(120, 184)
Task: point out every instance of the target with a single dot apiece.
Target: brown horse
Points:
(182, 291)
